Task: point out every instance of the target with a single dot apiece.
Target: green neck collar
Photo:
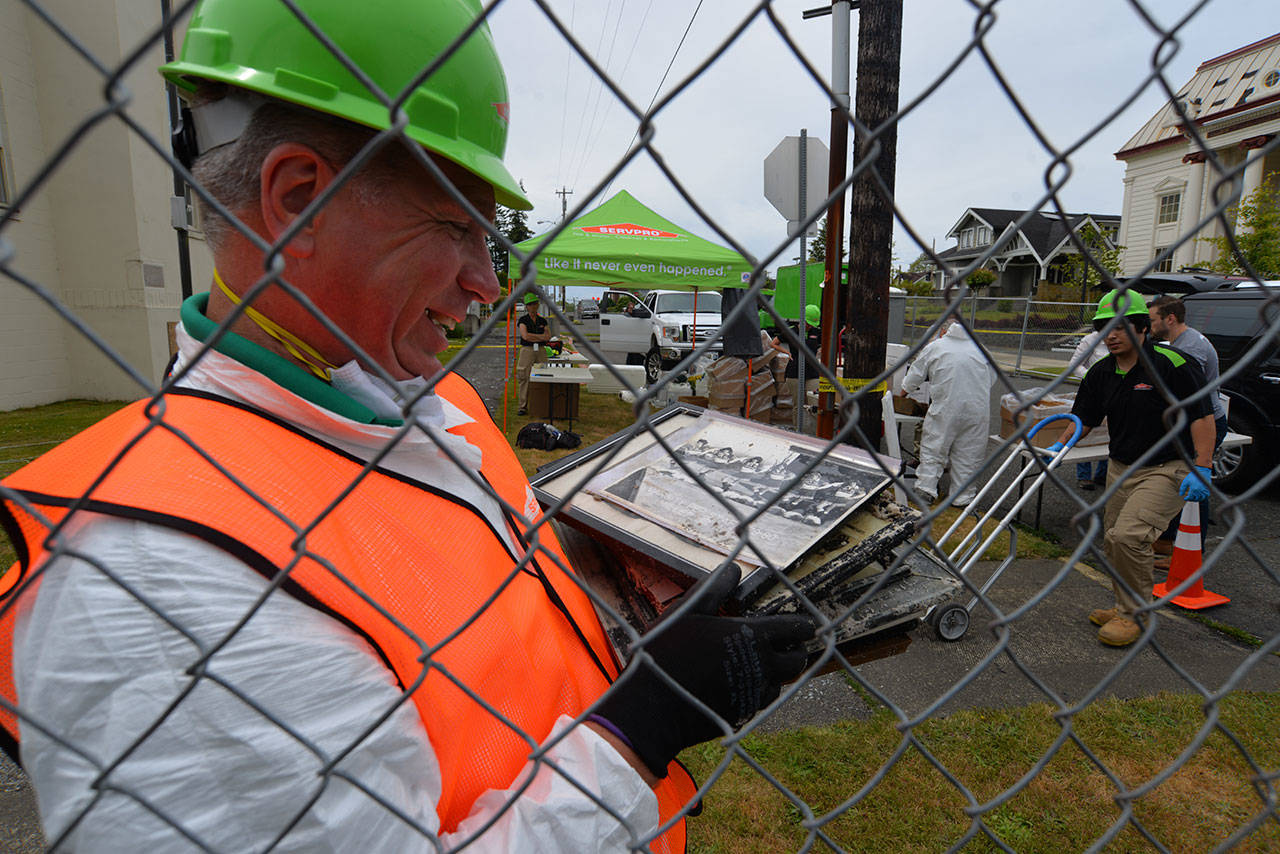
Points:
(275, 367)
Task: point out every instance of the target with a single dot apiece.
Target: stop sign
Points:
(782, 177)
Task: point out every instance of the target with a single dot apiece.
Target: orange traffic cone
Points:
(1186, 563)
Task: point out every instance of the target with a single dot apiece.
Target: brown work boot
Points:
(1120, 631)
(1102, 616)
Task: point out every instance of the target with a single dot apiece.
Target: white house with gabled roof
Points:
(1233, 104)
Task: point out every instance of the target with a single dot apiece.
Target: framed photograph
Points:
(636, 493)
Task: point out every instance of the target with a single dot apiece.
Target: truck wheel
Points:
(652, 366)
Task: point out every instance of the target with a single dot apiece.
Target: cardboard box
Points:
(904, 405)
(695, 399)
(761, 387)
(553, 400)
(727, 370)
(730, 405)
(1047, 405)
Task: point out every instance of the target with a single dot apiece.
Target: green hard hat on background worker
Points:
(812, 315)
(1129, 303)
(530, 298)
(459, 112)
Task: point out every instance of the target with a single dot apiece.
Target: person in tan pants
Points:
(1148, 468)
(533, 334)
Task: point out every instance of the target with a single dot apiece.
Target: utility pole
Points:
(564, 193)
(871, 244)
(833, 294)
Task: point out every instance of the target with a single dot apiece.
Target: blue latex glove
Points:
(1053, 449)
(1195, 486)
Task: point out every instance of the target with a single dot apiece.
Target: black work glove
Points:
(735, 665)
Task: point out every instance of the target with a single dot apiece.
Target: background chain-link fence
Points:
(1030, 643)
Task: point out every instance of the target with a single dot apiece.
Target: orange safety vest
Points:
(453, 606)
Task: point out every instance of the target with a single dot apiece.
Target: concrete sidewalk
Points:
(1053, 640)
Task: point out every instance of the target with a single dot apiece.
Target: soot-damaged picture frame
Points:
(633, 491)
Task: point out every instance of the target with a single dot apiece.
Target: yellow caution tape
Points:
(851, 385)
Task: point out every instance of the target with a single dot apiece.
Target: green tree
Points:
(1257, 234)
(1087, 270)
(514, 226)
(818, 246)
(922, 263)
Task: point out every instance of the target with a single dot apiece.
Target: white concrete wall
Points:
(97, 233)
(33, 361)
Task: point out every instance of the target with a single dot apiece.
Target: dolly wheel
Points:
(951, 622)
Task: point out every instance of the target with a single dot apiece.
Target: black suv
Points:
(1180, 284)
(1234, 317)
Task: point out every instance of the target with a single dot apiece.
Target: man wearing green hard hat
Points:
(1147, 463)
(316, 605)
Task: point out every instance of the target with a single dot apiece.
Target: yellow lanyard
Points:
(299, 349)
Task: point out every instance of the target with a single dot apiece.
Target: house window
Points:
(1166, 263)
(1169, 205)
(1244, 96)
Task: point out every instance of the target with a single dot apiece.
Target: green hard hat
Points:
(1131, 303)
(530, 298)
(460, 111)
(812, 315)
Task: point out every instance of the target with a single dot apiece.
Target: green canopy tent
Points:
(623, 244)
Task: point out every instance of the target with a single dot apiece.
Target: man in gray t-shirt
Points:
(1169, 324)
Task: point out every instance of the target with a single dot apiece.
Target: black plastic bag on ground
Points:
(546, 437)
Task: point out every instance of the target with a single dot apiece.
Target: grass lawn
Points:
(915, 807)
(1064, 807)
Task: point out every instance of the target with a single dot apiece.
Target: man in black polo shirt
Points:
(533, 334)
(1126, 388)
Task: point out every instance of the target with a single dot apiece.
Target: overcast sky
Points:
(1070, 62)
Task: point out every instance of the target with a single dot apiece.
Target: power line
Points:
(635, 135)
(604, 22)
(592, 133)
(564, 114)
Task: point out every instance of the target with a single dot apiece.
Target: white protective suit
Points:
(99, 667)
(958, 420)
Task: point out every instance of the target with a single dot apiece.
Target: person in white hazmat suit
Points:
(958, 420)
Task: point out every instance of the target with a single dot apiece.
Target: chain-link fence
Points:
(1021, 334)
(290, 603)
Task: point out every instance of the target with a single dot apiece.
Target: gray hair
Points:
(230, 173)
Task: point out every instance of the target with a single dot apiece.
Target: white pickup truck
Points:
(659, 331)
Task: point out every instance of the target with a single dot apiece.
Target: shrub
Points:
(980, 278)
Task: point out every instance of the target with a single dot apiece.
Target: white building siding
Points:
(97, 234)
(34, 367)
